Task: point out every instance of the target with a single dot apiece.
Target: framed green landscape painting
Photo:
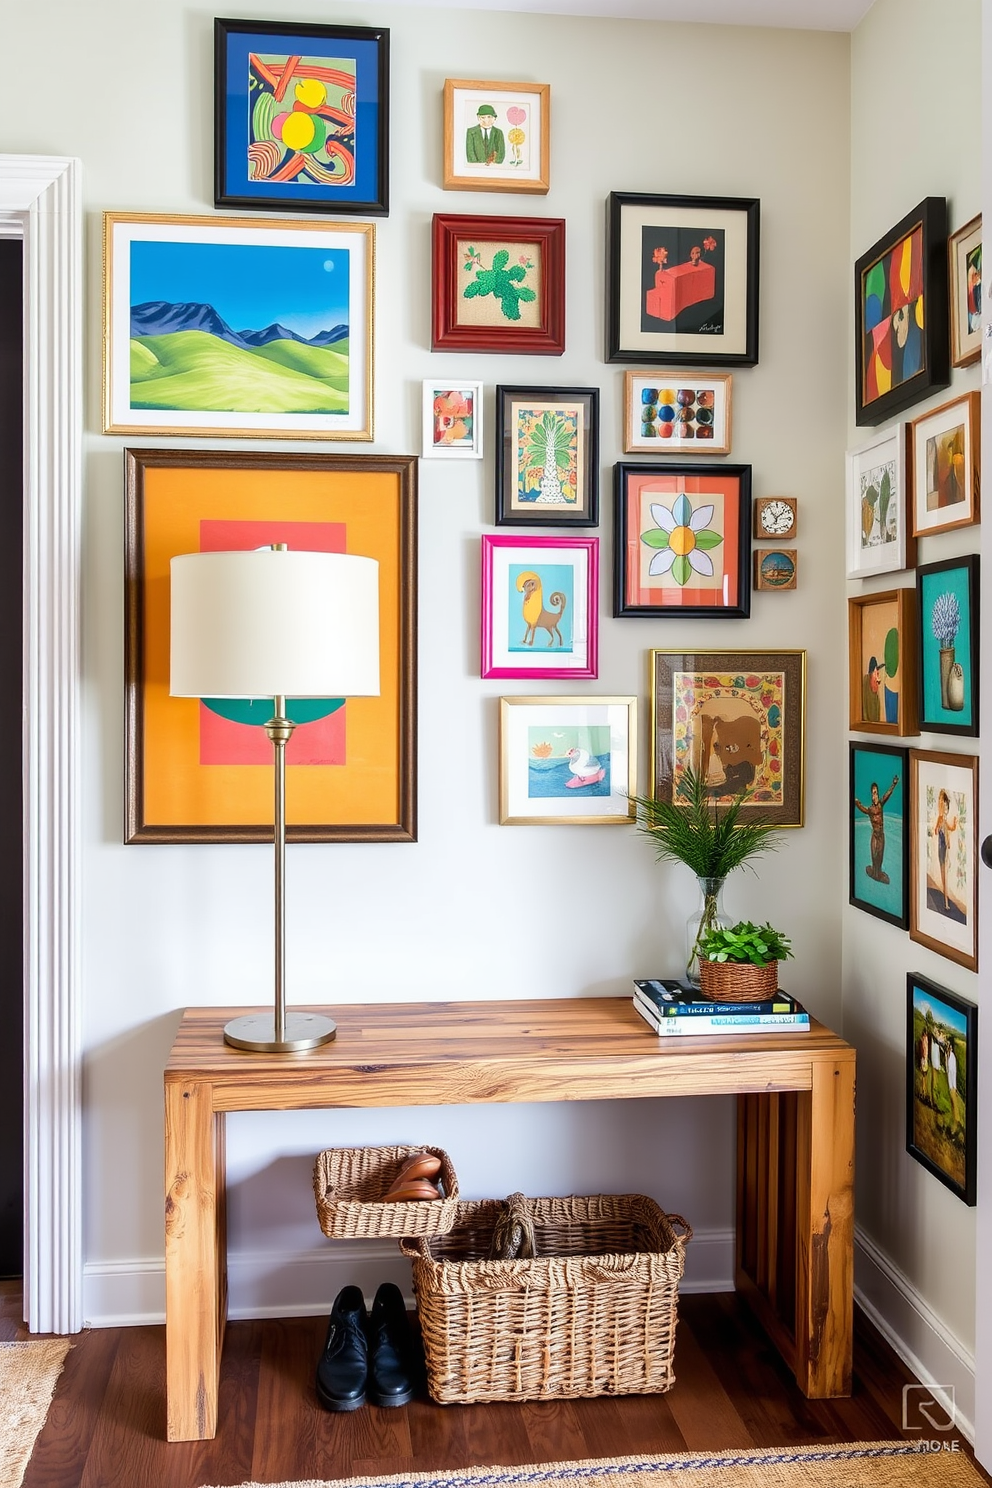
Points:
(235, 326)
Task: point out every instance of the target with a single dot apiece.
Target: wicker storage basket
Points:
(349, 1184)
(593, 1313)
(736, 981)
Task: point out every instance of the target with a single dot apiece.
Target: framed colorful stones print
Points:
(682, 541)
(301, 117)
(900, 298)
(687, 411)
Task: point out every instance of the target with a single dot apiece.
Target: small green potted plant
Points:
(739, 963)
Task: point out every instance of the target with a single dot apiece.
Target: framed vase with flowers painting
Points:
(947, 597)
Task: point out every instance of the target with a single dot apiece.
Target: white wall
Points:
(915, 132)
(636, 106)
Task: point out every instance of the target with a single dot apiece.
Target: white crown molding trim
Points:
(40, 202)
(925, 1344)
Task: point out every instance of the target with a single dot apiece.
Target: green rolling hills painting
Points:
(195, 370)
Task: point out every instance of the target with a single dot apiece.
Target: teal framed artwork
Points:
(235, 326)
(879, 832)
(947, 604)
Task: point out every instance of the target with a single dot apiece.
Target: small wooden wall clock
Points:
(775, 516)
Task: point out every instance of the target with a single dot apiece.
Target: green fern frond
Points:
(692, 829)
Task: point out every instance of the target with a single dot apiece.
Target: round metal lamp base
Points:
(257, 1032)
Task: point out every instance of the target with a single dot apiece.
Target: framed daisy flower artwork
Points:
(682, 540)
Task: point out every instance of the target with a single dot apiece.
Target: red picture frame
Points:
(466, 250)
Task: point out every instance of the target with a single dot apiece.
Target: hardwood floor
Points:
(107, 1423)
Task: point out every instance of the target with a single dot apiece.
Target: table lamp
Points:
(271, 623)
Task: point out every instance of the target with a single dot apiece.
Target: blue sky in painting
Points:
(250, 286)
(941, 1010)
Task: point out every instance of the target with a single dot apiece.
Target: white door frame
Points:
(40, 203)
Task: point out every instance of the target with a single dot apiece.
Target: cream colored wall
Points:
(467, 911)
(915, 132)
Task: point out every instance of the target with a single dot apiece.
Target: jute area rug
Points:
(28, 1372)
(852, 1465)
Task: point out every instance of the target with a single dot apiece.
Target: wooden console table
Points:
(795, 1160)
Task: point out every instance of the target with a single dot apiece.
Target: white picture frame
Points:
(452, 420)
(879, 532)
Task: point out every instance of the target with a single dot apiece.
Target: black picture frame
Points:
(927, 342)
(934, 1107)
(939, 689)
(635, 487)
(708, 243)
(356, 122)
(516, 510)
(878, 871)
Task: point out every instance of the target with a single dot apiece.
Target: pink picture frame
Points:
(540, 610)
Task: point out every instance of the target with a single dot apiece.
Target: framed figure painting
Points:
(947, 604)
(942, 1084)
(547, 456)
(540, 616)
(881, 639)
(878, 832)
(945, 459)
(943, 900)
(736, 718)
(964, 257)
(567, 761)
(192, 766)
(496, 136)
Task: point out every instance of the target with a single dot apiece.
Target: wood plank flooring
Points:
(106, 1428)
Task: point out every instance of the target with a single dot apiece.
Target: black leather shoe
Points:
(343, 1366)
(391, 1349)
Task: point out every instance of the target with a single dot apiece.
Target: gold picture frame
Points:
(511, 155)
(567, 761)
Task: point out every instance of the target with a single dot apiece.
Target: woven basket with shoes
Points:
(592, 1313)
(350, 1186)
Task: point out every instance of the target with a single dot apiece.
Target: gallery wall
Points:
(473, 909)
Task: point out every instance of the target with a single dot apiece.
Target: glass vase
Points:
(709, 915)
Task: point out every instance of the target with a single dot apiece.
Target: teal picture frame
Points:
(879, 831)
(947, 609)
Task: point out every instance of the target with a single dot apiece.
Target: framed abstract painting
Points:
(201, 771)
(497, 136)
(964, 260)
(879, 530)
(540, 614)
(881, 639)
(547, 457)
(683, 280)
(738, 719)
(452, 414)
(947, 596)
(945, 461)
(237, 326)
(498, 284)
(942, 1084)
(665, 411)
(682, 541)
(301, 117)
(567, 761)
(900, 315)
(943, 873)
(878, 828)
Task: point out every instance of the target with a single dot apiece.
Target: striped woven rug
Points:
(851, 1465)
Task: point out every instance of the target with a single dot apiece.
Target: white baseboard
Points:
(925, 1345)
(120, 1294)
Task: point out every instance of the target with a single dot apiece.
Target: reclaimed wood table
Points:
(795, 1149)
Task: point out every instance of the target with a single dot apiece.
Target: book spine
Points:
(781, 1003)
(737, 1023)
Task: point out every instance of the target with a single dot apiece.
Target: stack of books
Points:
(672, 1009)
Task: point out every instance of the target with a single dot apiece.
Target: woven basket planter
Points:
(593, 1313)
(349, 1184)
(735, 981)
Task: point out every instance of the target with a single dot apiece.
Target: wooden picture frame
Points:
(683, 280)
(497, 136)
(947, 603)
(498, 284)
(682, 540)
(942, 1085)
(567, 761)
(882, 666)
(547, 456)
(943, 848)
(900, 315)
(964, 264)
(229, 306)
(190, 766)
(879, 529)
(327, 87)
(540, 612)
(775, 569)
(945, 453)
(687, 412)
(878, 831)
(739, 719)
(452, 420)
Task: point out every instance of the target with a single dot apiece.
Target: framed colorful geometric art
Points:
(878, 828)
(964, 257)
(237, 326)
(540, 615)
(738, 719)
(567, 761)
(301, 117)
(668, 411)
(452, 420)
(682, 540)
(942, 1085)
(943, 854)
(547, 457)
(947, 597)
(498, 284)
(201, 771)
(900, 315)
(881, 641)
(496, 136)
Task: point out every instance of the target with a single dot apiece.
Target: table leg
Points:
(195, 1258)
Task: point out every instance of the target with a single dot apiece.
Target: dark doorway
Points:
(11, 996)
